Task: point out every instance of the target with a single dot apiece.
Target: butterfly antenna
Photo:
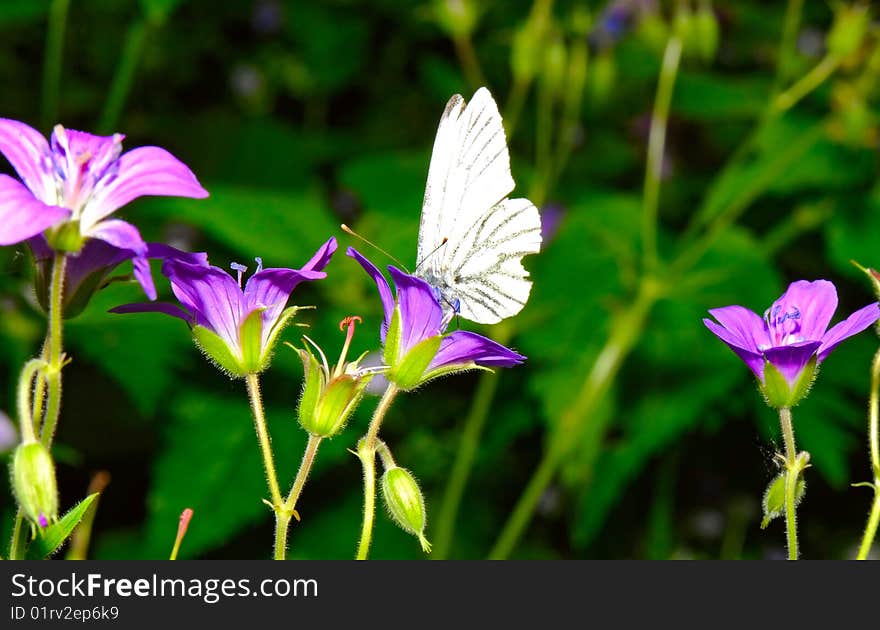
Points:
(431, 253)
(348, 230)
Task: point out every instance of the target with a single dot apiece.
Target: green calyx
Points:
(66, 237)
(327, 402)
(779, 393)
(255, 356)
(410, 371)
(33, 481)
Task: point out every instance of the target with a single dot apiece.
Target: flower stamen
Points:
(241, 269)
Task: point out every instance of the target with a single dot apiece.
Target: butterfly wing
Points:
(471, 237)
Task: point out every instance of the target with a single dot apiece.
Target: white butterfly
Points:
(472, 238)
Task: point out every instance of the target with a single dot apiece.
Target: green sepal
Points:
(405, 503)
(217, 351)
(66, 237)
(773, 502)
(410, 372)
(52, 537)
(339, 399)
(313, 385)
(250, 335)
(454, 368)
(778, 393)
(392, 338)
(280, 324)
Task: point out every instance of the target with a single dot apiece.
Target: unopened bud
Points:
(405, 503)
(33, 480)
(457, 17)
(705, 32)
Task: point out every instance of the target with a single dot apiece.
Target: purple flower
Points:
(76, 180)
(792, 336)
(416, 348)
(88, 270)
(236, 327)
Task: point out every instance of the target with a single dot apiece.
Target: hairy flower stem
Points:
(281, 521)
(289, 508)
(874, 441)
(624, 334)
(792, 471)
(55, 356)
(367, 453)
(50, 363)
(656, 150)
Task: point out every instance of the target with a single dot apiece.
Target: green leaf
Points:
(22, 11)
(51, 538)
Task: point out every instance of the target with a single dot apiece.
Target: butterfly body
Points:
(472, 237)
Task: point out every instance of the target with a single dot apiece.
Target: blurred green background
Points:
(298, 116)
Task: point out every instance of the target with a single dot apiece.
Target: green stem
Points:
(874, 441)
(813, 79)
(55, 354)
(25, 392)
(656, 149)
(52, 64)
(289, 509)
(124, 75)
(281, 519)
(16, 550)
(467, 57)
(625, 332)
(791, 478)
(464, 461)
(367, 455)
(513, 107)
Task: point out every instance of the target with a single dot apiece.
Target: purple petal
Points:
(321, 257)
(163, 251)
(271, 288)
(382, 284)
(144, 275)
(28, 152)
(816, 302)
(95, 255)
(121, 234)
(21, 214)
(210, 294)
(463, 346)
(791, 359)
(744, 350)
(744, 326)
(855, 323)
(420, 313)
(154, 307)
(143, 171)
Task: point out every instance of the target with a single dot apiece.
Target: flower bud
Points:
(601, 80)
(326, 404)
(405, 503)
(33, 480)
(848, 30)
(773, 503)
